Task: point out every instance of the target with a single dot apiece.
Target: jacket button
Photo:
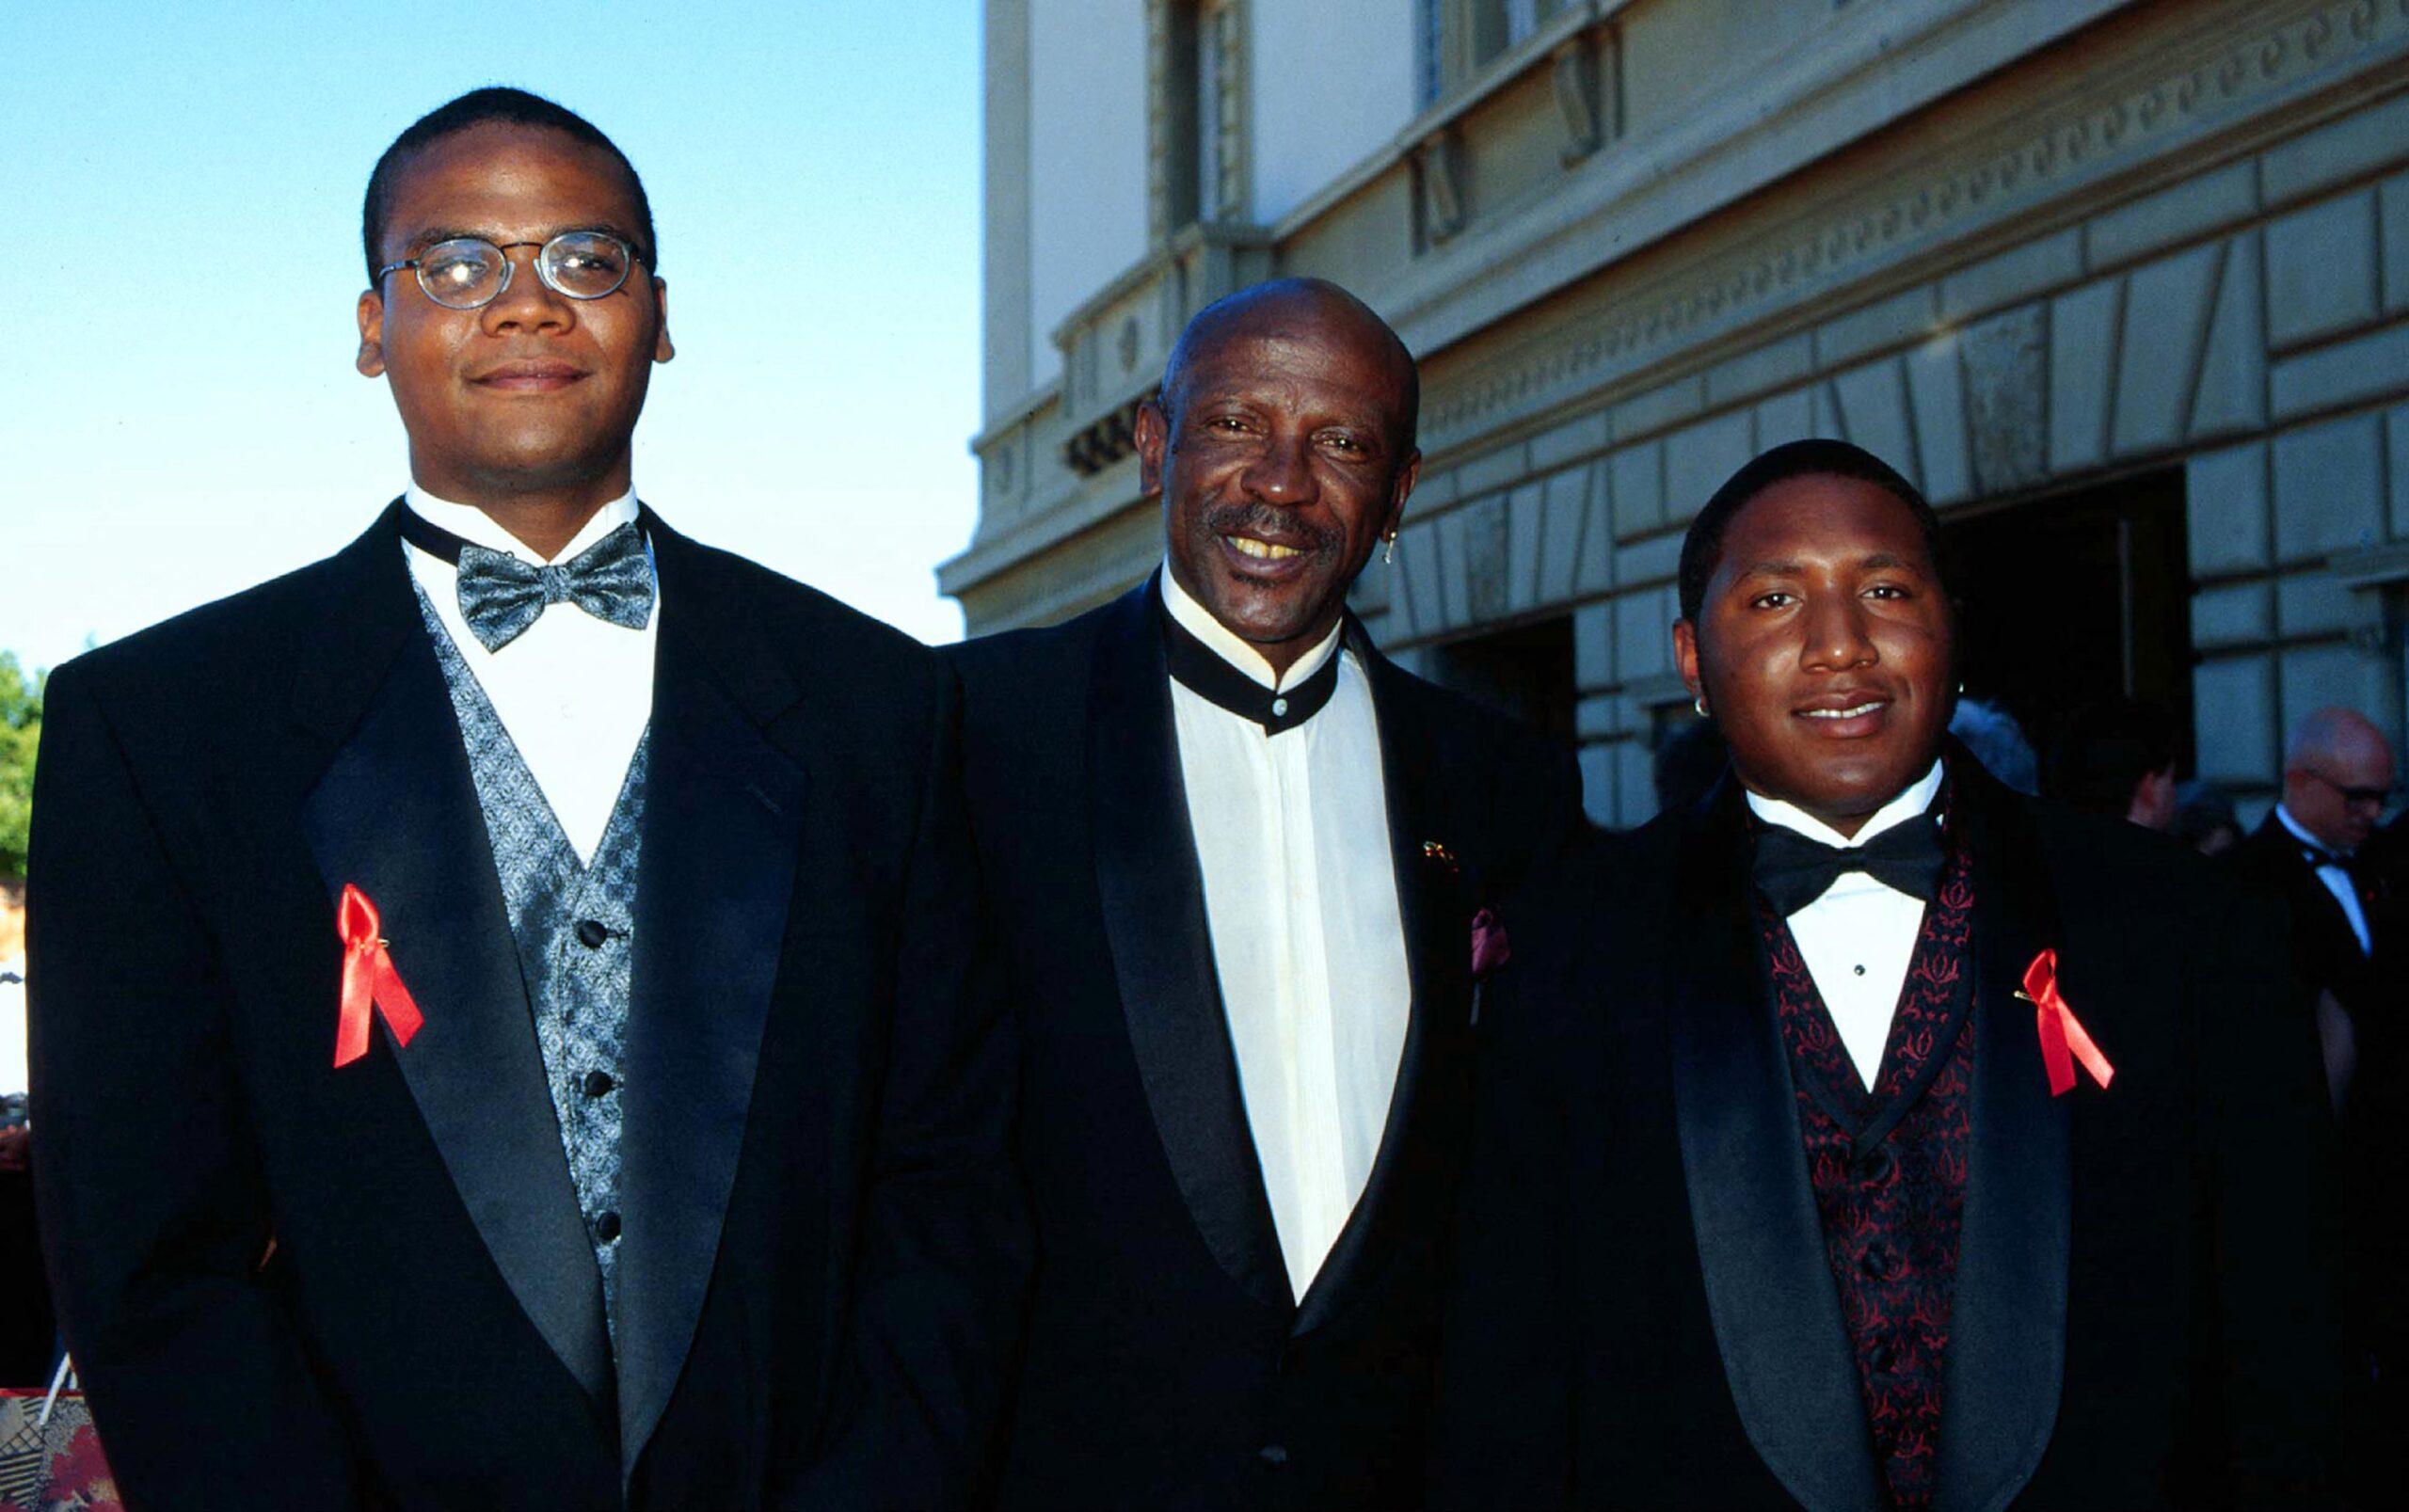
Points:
(599, 1082)
(606, 1228)
(591, 933)
(1273, 1453)
(1876, 1165)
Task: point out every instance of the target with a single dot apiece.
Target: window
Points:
(1458, 36)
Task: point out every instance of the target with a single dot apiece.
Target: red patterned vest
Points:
(1889, 1170)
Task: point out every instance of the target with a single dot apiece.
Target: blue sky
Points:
(179, 417)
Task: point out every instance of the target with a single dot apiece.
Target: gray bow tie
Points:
(500, 595)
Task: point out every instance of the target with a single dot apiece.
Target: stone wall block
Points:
(1593, 647)
(2317, 603)
(2355, 145)
(1565, 498)
(2329, 488)
(2322, 275)
(1873, 411)
(2018, 274)
(1636, 782)
(1937, 394)
(1643, 636)
(2084, 330)
(1574, 439)
(1597, 571)
(1903, 317)
(2192, 208)
(2226, 506)
(1789, 417)
(1639, 488)
(1524, 512)
(1599, 764)
(2344, 372)
(2167, 308)
(2007, 404)
(2315, 676)
(2392, 210)
(2241, 614)
(1656, 559)
(1593, 717)
(1763, 367)
(1699, 458)
(2233, 726)
(1418, 557)
(2396, 449)
(1455, 557)
(1659, 408)
(2230, 393)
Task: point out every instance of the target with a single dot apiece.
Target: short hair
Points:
(2104, 752)
(496, 105)
(1702, 547)
(1235, 306)
(1998, 743)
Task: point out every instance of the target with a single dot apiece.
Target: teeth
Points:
(1843, 713)
(1264, 549)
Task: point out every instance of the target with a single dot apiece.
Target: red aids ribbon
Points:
(2063, 1040)
(368, 975)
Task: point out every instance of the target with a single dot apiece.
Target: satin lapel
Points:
(723, 820)
(2001, 1380)
(1153, 895)
(396, 814)
(1430, 904)
(1760, 1239)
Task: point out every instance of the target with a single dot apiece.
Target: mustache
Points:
(1271, 524)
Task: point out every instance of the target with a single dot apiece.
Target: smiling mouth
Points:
(1262, 551)
(1852, 711)
(538, 377)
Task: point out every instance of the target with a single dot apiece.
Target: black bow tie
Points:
(1202, 671)
(1793, 870)
(500, 595)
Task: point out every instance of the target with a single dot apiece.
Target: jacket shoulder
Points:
(212, 652)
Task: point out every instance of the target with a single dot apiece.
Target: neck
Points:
(1286, 653)
(545, 513)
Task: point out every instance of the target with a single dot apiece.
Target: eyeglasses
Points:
(470, 273)
(2359, 797)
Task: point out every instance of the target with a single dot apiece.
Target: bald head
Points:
(2337, 775)
(1312, 309)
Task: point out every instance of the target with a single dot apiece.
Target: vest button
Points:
(1875, 1262)
(1875, 1166)
(591, 933)
(606, 1228)
(599, 1082)
(1879, 1360)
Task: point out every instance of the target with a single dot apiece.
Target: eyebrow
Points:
(1876, 562)
(419, 240)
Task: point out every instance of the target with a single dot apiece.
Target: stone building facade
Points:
(2124, 286)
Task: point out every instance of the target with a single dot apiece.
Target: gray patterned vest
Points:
(573, 923)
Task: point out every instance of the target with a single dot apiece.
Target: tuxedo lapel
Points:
(2002, 1377)
(1152, 890)
(1760, 1240)
(395, 813)
(1432, 908)
(723, 818)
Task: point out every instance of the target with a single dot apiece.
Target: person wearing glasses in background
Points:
(509, 1017)
(2350, 934)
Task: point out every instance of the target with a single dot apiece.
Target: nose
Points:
(1281, 473)
(1835, 629)
(526, 303)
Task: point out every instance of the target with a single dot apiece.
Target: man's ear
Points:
(1685, 657)
(661, 350)
(370, 360)
(1406, 476)
(1154, 434)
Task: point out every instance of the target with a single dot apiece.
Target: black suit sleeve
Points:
(2268, 1134)
(945, 1256)
(1505, 1409)
(154, 1213)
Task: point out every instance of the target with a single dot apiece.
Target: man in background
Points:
(2116, 758)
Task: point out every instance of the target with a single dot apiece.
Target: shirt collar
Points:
(1914, 800)
(477, 528)
(2284, 817)
(1198, 621)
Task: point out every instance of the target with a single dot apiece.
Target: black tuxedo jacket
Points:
(1168, 1363)
(2325, 950)
(287, 1285)
(1641, 1312)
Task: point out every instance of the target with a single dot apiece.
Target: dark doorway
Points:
(1524, 672)
(2076, 599)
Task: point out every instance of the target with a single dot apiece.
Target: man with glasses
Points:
(2350, 938)
(509, 1017)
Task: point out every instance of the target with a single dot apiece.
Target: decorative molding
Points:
(1586, 72)
(2083, 134)
(1439, 170)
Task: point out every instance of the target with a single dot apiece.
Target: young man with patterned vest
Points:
(508, 1020)
(1867, 1135)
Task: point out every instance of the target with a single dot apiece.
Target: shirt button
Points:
(591, 933)
(1861, 971)
(1279, 707)
(606, 1228)
(599, 1082)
